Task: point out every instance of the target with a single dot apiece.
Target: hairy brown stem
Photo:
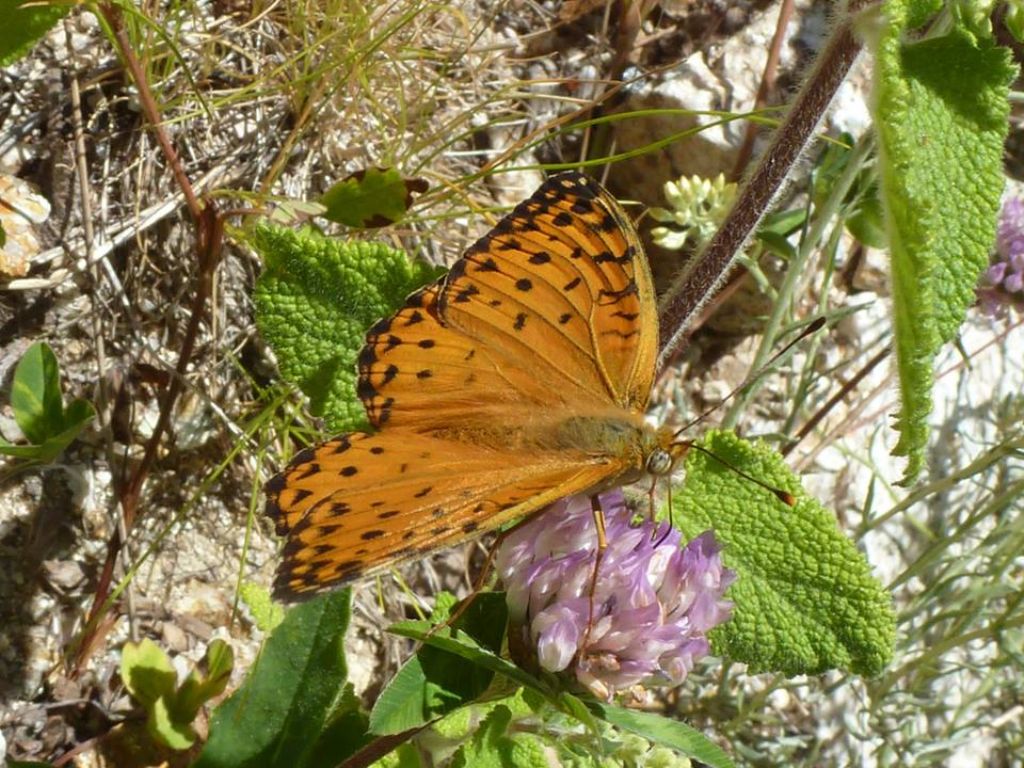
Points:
(695, 284)
(209, 240)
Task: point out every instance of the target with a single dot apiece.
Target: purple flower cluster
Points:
(643, 621)
(1004, 280)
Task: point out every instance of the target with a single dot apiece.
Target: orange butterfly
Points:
(518, 378)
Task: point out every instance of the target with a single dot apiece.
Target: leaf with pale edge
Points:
(315, 300)
(805, 598)
(941, 110)
(375, 197)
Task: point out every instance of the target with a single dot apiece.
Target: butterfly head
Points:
(666, 451)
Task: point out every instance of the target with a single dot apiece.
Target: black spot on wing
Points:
(465, 294)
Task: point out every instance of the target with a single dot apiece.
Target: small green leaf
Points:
(54, 446)
(1014, 19)
(920, 11)
(402, 705)
(168, 730)
(281, 710)
(462, 645)
(32, 453)
(375, 197)
(436, 681)
(661, 730)
(39, 410)
(805, 598)
(942, 115)
(23, 26)
(265, 612)
(35, 394)
(784, 223)
(314, 302)
(200, 687)
(147, 672)
(867, 221)
(777, 244)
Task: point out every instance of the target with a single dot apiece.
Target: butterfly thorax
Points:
(615, 436)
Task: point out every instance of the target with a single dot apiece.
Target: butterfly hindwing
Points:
(361, 503)
(415, 372)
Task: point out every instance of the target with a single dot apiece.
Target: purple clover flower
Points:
(1004, 279)
(653, 602)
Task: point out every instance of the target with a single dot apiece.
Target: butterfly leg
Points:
(602, 545)
(478, 587)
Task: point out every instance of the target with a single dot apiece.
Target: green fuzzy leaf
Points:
(805, 598)
(375, 197)
(314, 302)
(147, 672)
(23, 26)
(920, 11)
(278, 715)
(941, 110)
(35, 394)
(661, 730)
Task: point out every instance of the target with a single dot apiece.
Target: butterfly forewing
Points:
(362, 503)
(554, 307)
(414, 372)
(562, 283)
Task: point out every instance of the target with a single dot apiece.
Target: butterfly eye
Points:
(659, 462)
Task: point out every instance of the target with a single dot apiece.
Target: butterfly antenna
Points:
(785, 497)
(813, 327)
